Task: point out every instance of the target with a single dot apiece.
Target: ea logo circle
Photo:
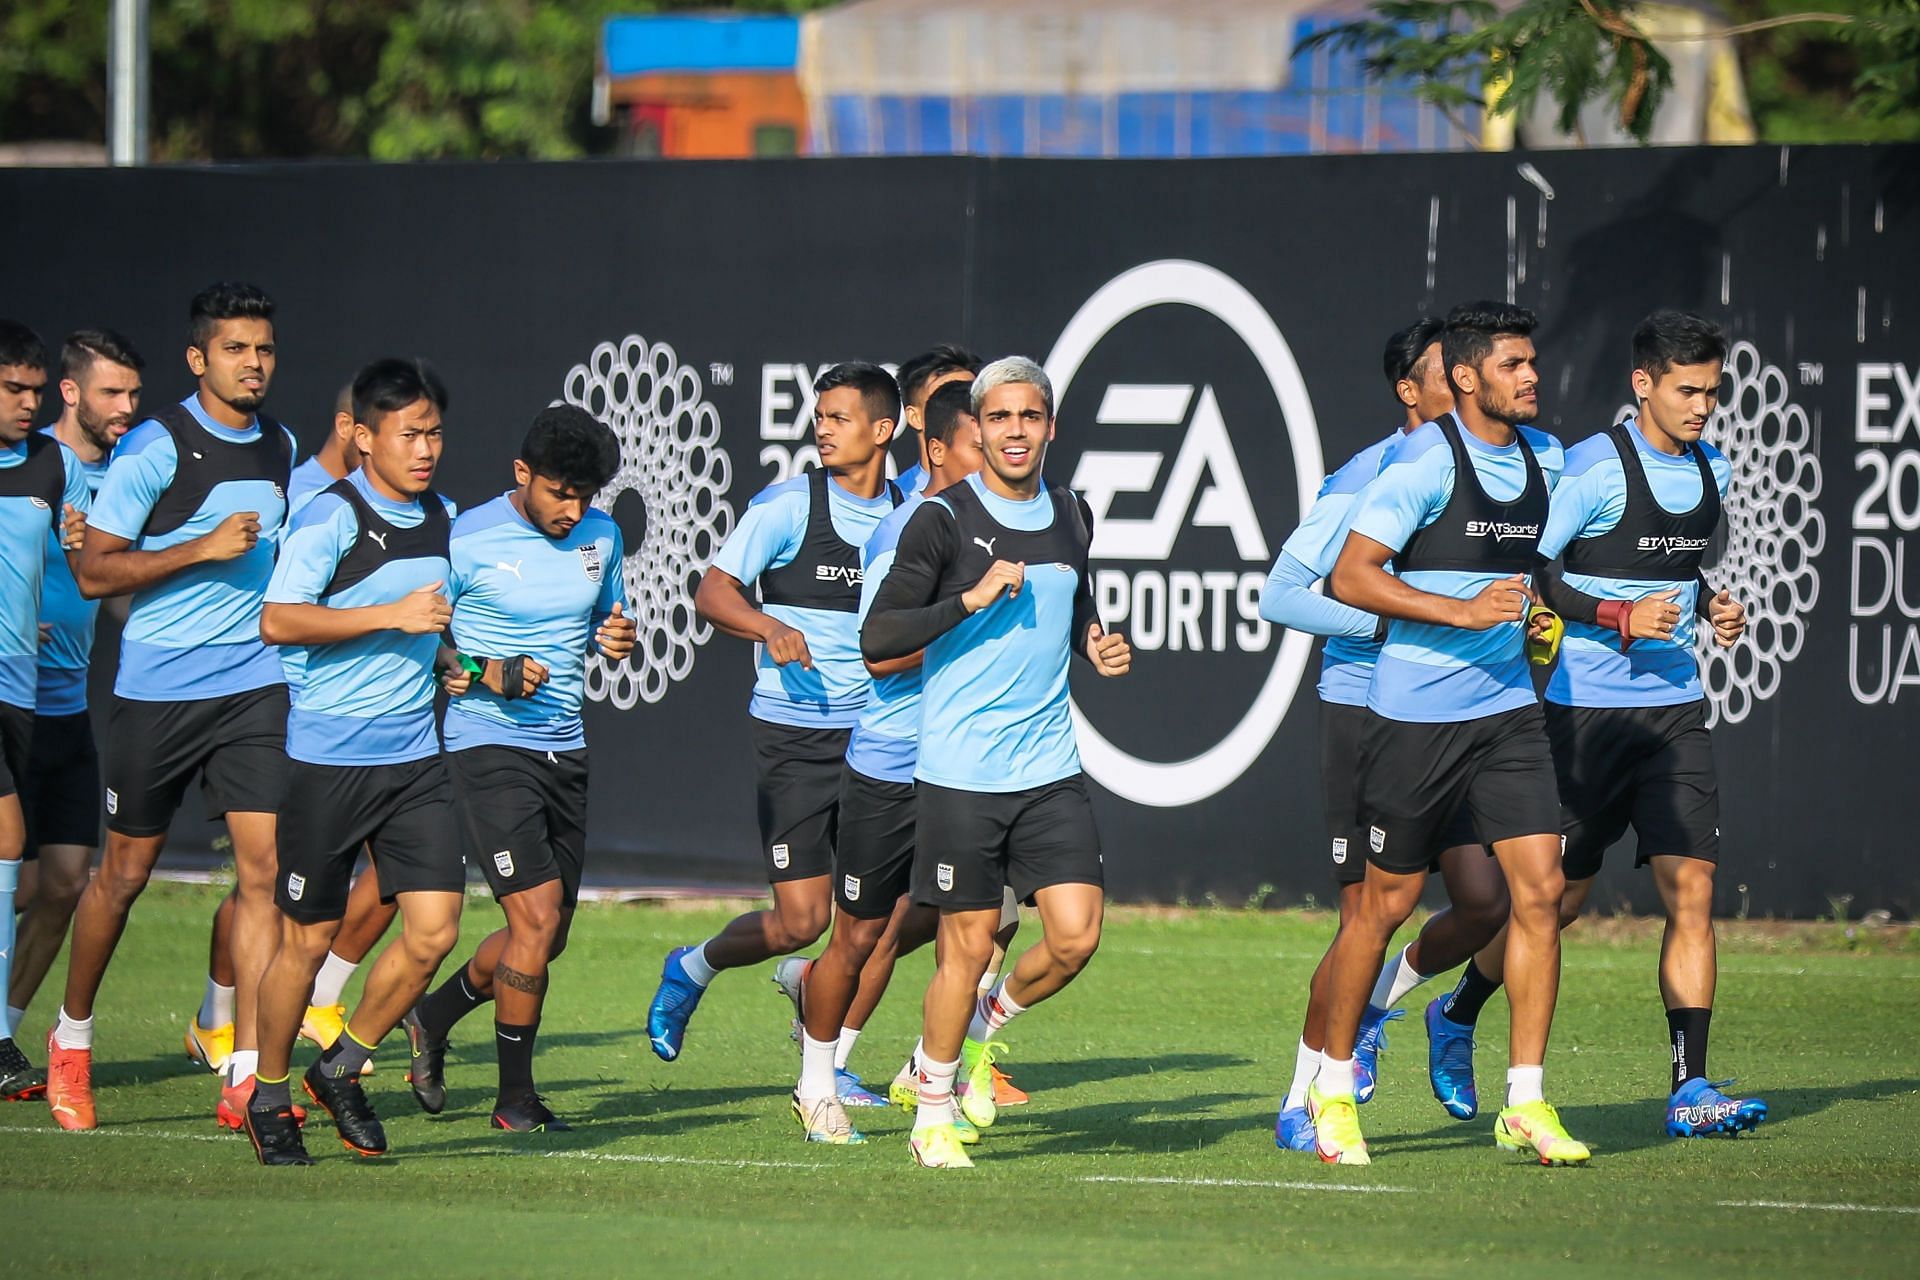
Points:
(1177, 282)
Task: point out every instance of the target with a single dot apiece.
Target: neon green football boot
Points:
(1536, 1127)
(973, 1091)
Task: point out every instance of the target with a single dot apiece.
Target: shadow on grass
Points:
(1614, 1127)
(1135, 1127)
(1072, 1071)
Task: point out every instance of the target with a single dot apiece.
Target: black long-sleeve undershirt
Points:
(908, 613)
(1576, 605)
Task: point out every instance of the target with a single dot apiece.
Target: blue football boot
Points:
(1367, 1047)
(1450, 1063)
(673, 1004)
(1293, 1130)
(1700, 1110)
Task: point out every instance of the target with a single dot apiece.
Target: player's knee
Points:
(121, 882)
(560, 935)
(1074, 950)
(856, 939)
(801, 924)
(59, 891)
(539, 920)
(1537, 902)
(966, 949)
(1691, 909)
(1382, 908)
(428, 942)
(251, 886)
(306, 943)
(1484, 918)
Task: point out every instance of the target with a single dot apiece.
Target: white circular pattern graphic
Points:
(1773, 533)
(670, 457)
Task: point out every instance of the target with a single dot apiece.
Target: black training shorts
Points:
(16, 741)
(524, 815)
(1650, 768)
(402, 813)
(1340, 726)
(797, 785)
(62, 795)
(237, 743)
(971, 846)
(1415, 778)
(873, 858)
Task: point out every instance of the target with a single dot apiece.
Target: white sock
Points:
(843, 1048)
(72, 1033)
(987, 980)
(216, 1007)
(1306, 1065)
(1397, 978)
(816, 1068)
(14, 1018)
(1524, 1084)
(331, 980)
(936, 1092)
(694, 965)
(910, 1069)
(243, 1063)
(1335, 1079)
(992, 1012)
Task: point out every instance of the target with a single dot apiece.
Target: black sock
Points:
(1687, 1028)
(270, 1095)
(345, 1058)
(514, 1043)
(455, 999)
(1473, 991)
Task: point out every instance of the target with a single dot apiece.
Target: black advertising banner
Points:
(1213, 330)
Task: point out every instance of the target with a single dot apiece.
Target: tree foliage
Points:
(265, 79)
(1503, 57)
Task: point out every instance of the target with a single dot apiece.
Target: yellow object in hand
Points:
(1541, 652)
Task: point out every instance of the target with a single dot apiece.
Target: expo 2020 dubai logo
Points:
(1773, 532)
(672, 463)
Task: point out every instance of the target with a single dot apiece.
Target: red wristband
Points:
(1618, 615)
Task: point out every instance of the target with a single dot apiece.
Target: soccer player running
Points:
(800, 539)
(536, 587)
(873, 855)
(186, 521)
(335, 459)
(209, 1035)
(100, 395)
(919, 378)
(1416, 374)
(1453, 718)
(359, 589)
(1626, 714)
(990, 581)
(43, 494)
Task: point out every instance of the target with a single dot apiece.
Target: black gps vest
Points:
(984, 539)
(204, 461)
(41, 476)
(1476, 533)
(1650, 544)
(380, 542)
(825, 573)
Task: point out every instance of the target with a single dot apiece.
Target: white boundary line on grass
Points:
(1827, 1208)
(1245, 1182)
(618, 1157)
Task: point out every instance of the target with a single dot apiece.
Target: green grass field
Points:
(1148, 1147)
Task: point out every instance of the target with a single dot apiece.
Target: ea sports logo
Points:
(1173, 385)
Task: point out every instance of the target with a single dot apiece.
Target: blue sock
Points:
(9, 881)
